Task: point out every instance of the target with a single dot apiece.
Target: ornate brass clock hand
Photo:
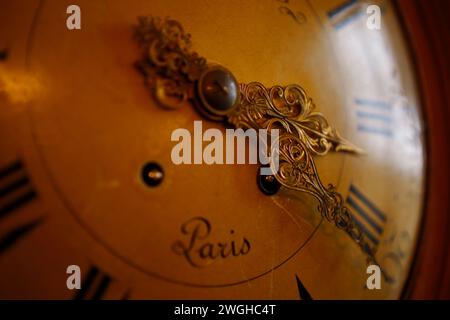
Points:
(297, 171)
(172, 70)
(177, 75)
(292, 109)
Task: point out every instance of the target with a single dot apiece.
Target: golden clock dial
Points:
(81, 135)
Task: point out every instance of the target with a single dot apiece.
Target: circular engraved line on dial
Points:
(66, 203)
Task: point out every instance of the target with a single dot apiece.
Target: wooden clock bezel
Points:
(426, 24)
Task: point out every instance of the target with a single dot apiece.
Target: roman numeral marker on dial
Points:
(16, 191)
(15, 188)
(96, 284)
(369, 218)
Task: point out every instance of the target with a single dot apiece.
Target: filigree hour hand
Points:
(176, 75)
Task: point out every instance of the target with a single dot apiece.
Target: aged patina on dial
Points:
(175, 75)
(78, 126)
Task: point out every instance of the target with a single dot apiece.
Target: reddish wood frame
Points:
(427, 26)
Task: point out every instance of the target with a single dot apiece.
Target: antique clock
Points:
(88, 111)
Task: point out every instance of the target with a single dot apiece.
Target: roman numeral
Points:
(94, 285)
(15, 192)
(11, 237)
(3, 55)
(303, 293)
(15, 188)
(344, 14)
(374, 117)
(369, 218)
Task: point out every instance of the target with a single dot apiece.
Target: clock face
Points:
(87, 177)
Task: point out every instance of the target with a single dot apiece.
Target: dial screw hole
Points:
(268, 184)
(152, 174)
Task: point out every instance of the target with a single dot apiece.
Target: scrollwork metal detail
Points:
(169, 66)
(297, 171)
(172, 70)
(292, 110)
